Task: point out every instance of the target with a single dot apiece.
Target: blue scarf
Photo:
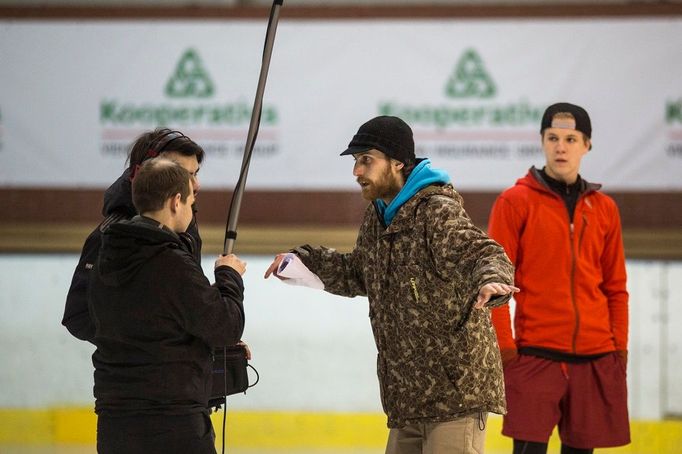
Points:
(422, 175)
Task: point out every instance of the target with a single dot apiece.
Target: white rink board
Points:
(314, 351)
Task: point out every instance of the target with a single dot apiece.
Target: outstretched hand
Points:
(274, 266)
(493, 289)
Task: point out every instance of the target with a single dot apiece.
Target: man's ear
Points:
(175, 202)
(397, 164)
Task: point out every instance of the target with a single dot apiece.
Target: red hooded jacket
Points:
(573, 297)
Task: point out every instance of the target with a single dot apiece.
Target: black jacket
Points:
(118, 206)
(157, 320)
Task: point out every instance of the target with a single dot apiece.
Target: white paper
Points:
(294, 272)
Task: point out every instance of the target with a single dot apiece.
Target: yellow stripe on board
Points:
(313, 430)
(297, 430)
(26, 426)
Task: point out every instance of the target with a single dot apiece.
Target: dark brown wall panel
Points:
(569, 10)
(639, 210)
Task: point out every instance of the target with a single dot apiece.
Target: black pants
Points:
(532, 447)
(148, 434)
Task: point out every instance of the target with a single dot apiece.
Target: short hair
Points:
(152, 143)
(158, 180)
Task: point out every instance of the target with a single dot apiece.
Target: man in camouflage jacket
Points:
(429, 275)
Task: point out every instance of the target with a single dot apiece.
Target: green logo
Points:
(189, 86)
(673, 111)
(470, 79)
(190, 79)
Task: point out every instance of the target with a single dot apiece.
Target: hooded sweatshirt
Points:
(156, 320)
(573, 298)
(420, 177)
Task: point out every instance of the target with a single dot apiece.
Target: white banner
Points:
(74, 95)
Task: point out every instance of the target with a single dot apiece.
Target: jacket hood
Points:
(119, 197)
(533, 179)
(422, 175)
(403, 218)
(127, 245)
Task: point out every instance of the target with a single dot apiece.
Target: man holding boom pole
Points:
(157, 320)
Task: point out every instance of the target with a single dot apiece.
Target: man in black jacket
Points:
(118, 206)
(156, 320)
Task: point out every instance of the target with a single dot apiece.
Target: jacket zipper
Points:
(571, 231)
(573, 258)
(413, 283)
(575, 305)
(573, 252)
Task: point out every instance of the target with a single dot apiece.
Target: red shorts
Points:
(588, 401)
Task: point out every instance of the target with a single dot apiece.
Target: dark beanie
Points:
(390, 135)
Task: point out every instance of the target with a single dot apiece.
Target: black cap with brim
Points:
(390, 135)
(582, 119)
(357, 149)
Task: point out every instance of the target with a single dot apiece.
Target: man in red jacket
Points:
(565, 362)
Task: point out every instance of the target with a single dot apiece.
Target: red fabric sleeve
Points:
(504, 227)
(614, 283)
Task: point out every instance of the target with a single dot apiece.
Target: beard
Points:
(386, 186)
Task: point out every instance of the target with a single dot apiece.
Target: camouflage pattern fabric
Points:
(438, 357)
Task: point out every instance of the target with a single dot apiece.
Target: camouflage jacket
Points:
(437, 357)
